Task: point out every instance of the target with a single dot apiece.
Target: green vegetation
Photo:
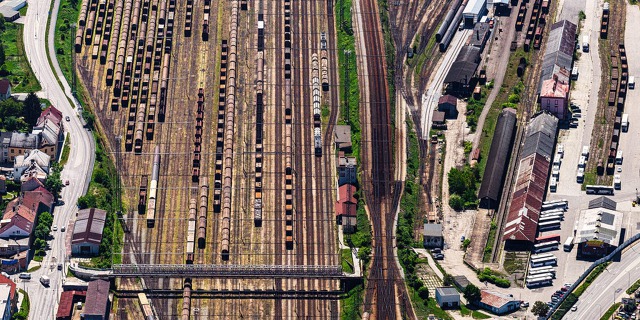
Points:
(462, 187)
(572, 298)
(607, 315)
(23, 313)
(19, 116)
(466, 243)
(14, 64)
(474, 109)
(634, 287)
(65, 35)
(488, 248)
(425, 307)
(468, 146)
(42, 231)
(350, 305)
(347, 260)
(65, 151)
(475, 314)
(102, 194)
(36, 268)
(540, 309)
(53, 183)
(512, 263)
(494, 277)
(582, 15)
(472, 293)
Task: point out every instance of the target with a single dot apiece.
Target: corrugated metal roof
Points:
(497, 160)
(97, 298)
(88, 226)
(602, 202)
(432, 230)
(541, 136)
(448, 291)
(599, 224)
(559, 50)
(494, 299)
(463, 69)
(474, 7)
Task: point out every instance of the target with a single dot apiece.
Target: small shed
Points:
(447, 297)
(432, 235)
(343, 137)
(438, 120)
(449, 105)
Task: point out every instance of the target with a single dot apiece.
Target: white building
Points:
(30, 160)
(447, 297)
(472, 13)
(5, 301)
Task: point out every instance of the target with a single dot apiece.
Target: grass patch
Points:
(350, 305)
(65, 151)
(488, 248)
(590, 177)
(475, 314)
(347, 260)
(64, 35)
(23, 313)
(425, 307)
(512, 263)
(607, 315)
(36, 268)
(23, 11)
(633, 287)
(16, 66)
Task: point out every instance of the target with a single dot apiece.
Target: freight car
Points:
(142, 194)
(153, 190)
(191, 232)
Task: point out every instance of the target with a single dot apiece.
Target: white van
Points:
(582, 162)
(632, 82)
(619, 157)
(585, 152)
(25, 276)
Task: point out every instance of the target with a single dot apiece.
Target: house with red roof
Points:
(18, 221)
(67, 300)
(52, 114)
(38, 200)
(346, 207)
(498, 303)
(31, 183)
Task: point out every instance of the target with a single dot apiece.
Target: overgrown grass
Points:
(36, 268)
(64, 35)
(488, 249)
(494, 277)
(23, 313)
(475, 314)
(347, 260)
(350, 305)
(607, 315)
(425, 307)
(102, 194)
(633, 287)
(65, 151)
(512, 263)
(16, 67)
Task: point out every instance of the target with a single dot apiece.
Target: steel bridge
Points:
(229, 271)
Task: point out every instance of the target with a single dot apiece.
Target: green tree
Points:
(87, 201)
(53, 183)
(472, 293)
(423, 292)
(2, 21)
(31, 109)
(540, 309)
(2, 55)
(456, 202)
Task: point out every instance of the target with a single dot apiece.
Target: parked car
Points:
(62, 229)
(67, 118)
(66, 183)
(59, 266)
(436, 250)
(55, 228)
(524, 304)
(573, 125)
(462, 239)
(574, 308)
(438, 256)
(577, 114)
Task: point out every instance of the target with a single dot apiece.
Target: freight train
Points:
(257, 205)
(288, 129)
(317, 132)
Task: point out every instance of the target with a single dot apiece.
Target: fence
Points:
(588, 271)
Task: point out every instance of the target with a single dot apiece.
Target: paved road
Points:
(609, 286)
(79, 166)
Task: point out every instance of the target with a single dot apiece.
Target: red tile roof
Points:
(347, 203)
(32, 183)
(448, 99)
(493, 299)
(5, 280)
(33, 199)
(552, 88)
(529, 191)
(50, 113)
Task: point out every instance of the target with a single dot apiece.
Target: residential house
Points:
(5, 301)
(20, 143)
(3, 184)
(447, 297)
(97, 302)
(449, 105)
(346, 207)
(12, 292)
(347, 169)
(554, 97)
(38, 200)
(5, 89)
(31, 183)
(18, 221)
(498, 303)
(5, 141)
(30, 161)
(68, 299)
(432, 235)
(51, 136)
(15, 263)
(87, 231)
(343, 137)
(50, 114)
(11, 247)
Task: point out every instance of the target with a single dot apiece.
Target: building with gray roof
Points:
(463, 70)
(559, 50)
(598, 231)
(87, 231)
(498, 159)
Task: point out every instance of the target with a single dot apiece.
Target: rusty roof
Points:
(494, 299)
(88, 226)
(97, 298)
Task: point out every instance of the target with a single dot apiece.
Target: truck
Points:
(45, 281)
(585, 44)
(617, 182)
(625, 122)
(568, 245)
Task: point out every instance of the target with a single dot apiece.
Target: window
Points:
(13, 150)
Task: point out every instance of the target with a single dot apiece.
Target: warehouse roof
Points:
(480, 35)
(526, 202)
(541, 135)
(559, 51)
(599, 224)
(447, 291)
(97, 298)
(88, 226)
(602, 202)
(447, 98)
(494, 299)
(432, 230)
(492, 180)
(463, 69)
(474, 7)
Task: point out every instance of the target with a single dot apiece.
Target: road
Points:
(79, 166)
(609, 286)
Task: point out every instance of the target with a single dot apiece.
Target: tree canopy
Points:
(472, 293)
(540, 309)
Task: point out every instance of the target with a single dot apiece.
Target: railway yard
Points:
(223, 120)
(216, 106)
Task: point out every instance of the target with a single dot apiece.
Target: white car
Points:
(574, 308)
(55, 228)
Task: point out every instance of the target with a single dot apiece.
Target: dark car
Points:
(438, 256)
(436, 250)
